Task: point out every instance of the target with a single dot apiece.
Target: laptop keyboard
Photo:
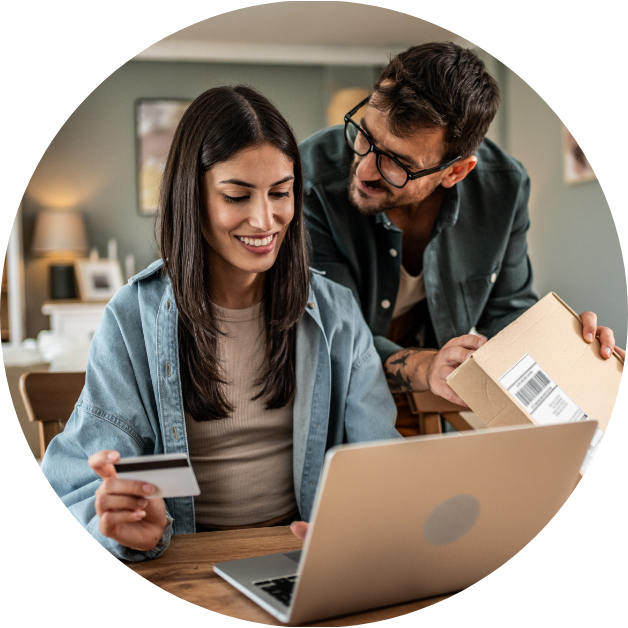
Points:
(279, 588)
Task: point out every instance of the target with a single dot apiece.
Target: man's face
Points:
(425, 148)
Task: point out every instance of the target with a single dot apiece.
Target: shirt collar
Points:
(449, 210)
(382, 219)
(447, 216)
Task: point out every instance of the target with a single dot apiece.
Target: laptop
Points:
(401, 520)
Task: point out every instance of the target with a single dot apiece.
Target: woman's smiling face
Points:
(249, 204)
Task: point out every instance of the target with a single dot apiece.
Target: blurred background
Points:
(86, 221)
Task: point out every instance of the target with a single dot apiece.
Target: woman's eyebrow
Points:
(284, 180)
(238, 182)
(254, 187)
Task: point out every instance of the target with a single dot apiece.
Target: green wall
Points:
(573, 242)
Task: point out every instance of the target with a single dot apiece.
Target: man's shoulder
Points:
(491, 158)
(325, 156)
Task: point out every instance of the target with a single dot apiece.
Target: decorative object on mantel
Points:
(112, 249)
(129, 266)
(577, 168)
(98, 280)
(60, 235)
(155, 123)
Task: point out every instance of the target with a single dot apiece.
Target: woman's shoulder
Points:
(327, 290)
(336, 303)
(340, 318)
(143, 290)
(154, 270)
(130, 319)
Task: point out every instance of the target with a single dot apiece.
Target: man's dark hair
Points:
(220, 123)
(439, 85)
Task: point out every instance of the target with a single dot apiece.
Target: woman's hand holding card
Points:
(126, 514)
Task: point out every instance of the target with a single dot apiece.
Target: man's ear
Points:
(458, 171)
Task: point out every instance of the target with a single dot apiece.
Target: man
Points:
(424, 219)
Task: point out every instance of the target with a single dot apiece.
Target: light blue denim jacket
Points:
(132, 400)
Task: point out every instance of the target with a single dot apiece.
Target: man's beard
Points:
(355, 195)
(370, 206)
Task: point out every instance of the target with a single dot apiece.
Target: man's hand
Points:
(124, 510)
(426, 369)
(446, 361)
(590, 330)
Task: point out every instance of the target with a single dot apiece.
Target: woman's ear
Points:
(458, 171)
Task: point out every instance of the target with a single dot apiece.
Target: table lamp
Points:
(60, 235)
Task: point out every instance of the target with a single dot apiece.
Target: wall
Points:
(573, 242)
(90, 165)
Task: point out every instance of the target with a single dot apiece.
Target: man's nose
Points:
(367, 168)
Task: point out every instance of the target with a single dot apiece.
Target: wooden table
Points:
(186, 570)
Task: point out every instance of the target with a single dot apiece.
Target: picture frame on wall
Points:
(576, 166)
(98, 280)
(156, 120)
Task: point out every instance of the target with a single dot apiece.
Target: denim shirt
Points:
(132, 400)
(475, 266)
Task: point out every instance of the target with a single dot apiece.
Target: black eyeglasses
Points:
(392, 171)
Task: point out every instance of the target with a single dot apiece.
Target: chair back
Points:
(49, 399)
(420, 413)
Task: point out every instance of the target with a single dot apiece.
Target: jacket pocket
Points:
(475, 293)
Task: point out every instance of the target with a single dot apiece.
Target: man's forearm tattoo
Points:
(398, 381)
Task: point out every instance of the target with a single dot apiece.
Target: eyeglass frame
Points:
(410, 176)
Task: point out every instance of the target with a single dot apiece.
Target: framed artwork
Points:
(155, 123)
(576, 166)
(98, 280)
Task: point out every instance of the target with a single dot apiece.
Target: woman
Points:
(229, 350)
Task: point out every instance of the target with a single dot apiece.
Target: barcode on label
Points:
(532, 389)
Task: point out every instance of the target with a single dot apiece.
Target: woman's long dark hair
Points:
(218, 124)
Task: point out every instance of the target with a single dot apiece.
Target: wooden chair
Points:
(420, 413)
(49, 399)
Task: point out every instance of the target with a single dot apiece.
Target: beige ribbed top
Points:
(243, 464)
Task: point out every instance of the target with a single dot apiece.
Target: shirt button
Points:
(393, 252)
(311, 305)
(385, 304)
(493, 277)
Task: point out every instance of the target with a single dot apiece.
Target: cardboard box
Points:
(540, 370)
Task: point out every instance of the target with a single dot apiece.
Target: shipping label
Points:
(544, 400)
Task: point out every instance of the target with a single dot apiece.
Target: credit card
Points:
(171, 474)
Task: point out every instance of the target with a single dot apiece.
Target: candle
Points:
(112, 249)
(129, 265)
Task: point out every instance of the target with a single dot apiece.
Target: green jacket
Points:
(476, 267)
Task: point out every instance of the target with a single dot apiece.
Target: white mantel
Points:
(74, 319)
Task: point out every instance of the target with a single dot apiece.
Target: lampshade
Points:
(59, 232)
